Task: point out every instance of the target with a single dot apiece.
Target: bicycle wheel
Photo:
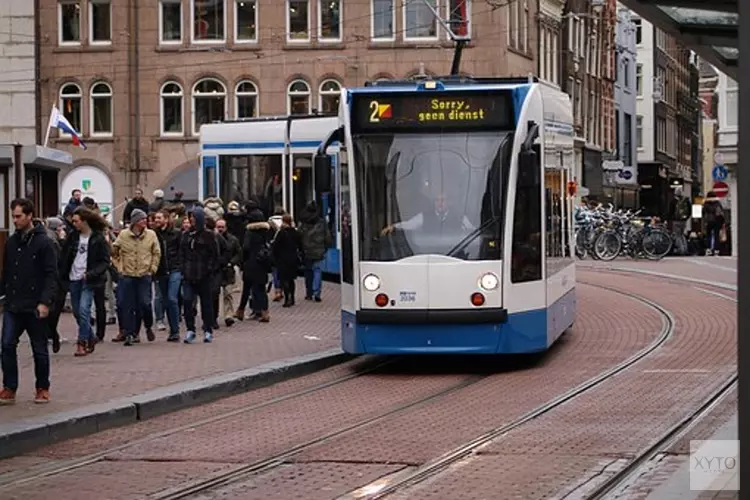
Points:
(608, 245)
(656, 244)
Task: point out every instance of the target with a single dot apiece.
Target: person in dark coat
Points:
(231, 261)
(236, 220)
(74, 201)
(86, 261)
(28, 282)
(168, 276)
(257, 261)
(287, 252)
(137, 202)
(316, 240)
(713, 221)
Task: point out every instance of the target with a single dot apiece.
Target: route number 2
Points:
(374, 107)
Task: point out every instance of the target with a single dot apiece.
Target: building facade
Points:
(621, 185)
(727, 137)
(589, 77)
(138, 79)
(549, 52)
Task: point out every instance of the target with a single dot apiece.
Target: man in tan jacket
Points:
(136, 254)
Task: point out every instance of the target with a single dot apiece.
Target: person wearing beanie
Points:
(136, 255)
(199, 257)
(158, 202)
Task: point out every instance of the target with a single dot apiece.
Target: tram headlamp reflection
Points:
(371, 282)
(489, 281)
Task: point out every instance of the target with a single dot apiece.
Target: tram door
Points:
(302, 183)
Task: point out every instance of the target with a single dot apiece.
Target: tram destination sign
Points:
(432, 110)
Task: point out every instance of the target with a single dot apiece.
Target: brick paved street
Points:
(114, 371)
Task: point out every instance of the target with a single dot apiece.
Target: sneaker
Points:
(128, 340)
(150, 335)
(229, 322)
(42, 396)
(208, 337)
(173, 337)
(189, 337)
(56, 344)
(80, 350)
(160, 326)
(7, 397)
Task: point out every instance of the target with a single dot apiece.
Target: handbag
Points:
(723, 234)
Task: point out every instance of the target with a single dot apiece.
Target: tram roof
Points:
(710, 28)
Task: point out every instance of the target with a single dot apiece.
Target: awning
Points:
(45, 158)
(710, 28)
(6, 156)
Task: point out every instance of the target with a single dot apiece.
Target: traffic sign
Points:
(719, 173)
(720, 189)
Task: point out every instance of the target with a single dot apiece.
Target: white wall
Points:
(645, 103)
(17, 93)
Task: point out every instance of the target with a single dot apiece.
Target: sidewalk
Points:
(118, 385)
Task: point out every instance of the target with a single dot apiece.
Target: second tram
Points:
(455, 209)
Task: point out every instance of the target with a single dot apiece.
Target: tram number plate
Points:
(407, 297)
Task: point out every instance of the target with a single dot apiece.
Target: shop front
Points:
(94, 183)
(620, 185)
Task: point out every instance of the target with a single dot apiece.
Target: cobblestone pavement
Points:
(609, 329)
(114, 371)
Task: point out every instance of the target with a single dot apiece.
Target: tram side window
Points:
(553, 213)
(526, 260)
(347, 238)
(258, 176)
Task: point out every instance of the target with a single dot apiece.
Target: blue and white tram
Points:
(455, 215)
(270, 158)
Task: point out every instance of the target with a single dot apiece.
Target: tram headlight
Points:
(371, 282)
(489, 281)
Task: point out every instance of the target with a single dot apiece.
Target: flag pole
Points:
(49, 125)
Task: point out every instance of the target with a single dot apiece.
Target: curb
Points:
(23, 436)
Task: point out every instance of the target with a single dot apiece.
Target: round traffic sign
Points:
(719, 173)
(720, 189)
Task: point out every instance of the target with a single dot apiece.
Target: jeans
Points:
(158, 302)
(169, 287)
(260, 297)
(276, 281)
(135, 297)
(81, 298)
(14, 325)
(313, 278)
(201, 291)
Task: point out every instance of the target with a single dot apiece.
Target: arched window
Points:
(70, 105)
(101, 109)
(298, 102)
(209, 103)
(171, 109)
(330, 94)
(246, 100)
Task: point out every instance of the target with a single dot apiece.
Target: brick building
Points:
(139, 78)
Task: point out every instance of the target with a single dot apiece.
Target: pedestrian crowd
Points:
(165, 265)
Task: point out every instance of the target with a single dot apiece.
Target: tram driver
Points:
(441, 219)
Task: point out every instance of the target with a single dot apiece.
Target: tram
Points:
(455, 204)
(270, 158)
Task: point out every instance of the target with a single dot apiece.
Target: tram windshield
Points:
(432, 194)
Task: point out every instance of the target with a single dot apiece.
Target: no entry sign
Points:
(721, 189)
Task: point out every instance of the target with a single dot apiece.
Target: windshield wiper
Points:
(472, 236)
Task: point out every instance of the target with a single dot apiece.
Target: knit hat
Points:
(53, 223)
(136, 216)
(158, 193)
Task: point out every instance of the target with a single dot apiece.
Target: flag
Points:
(59, 121)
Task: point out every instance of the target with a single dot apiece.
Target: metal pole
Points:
(743, 269)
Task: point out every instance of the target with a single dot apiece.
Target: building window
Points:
(459, 17)
(100, 22)
(298, 20)
(171, 109)
(70, 105)
(661, 134)
(330, 94)
(170, 21)
(246, 100)
(731, 107)
(329, 20)
(419, 20)
(639, 80)
(208, 20)
(383, 19)
(69, 22)
(246, 21)
(209, 103)
(298, 102)
(637, 25)
(626, 73)
(101, 109)
(627, 140)
(518, 24)
(638, 131)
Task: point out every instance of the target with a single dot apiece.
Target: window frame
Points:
(162, 41)
(236, 26)
(193, 39)
(289, 39)
(162, 95)
(328, 93)
(320, 23)
(60, 41)
(467, 20)
(196, 132)
(61, 107)
(289, 95)
(639, 132)
(391, 38)
(238, 94)
(92, 109)
(405, 29)
(90, 18)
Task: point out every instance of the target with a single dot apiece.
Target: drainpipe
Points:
(137, 78)
(37, 74)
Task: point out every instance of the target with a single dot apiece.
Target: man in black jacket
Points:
(169, 276)
(28, 282)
